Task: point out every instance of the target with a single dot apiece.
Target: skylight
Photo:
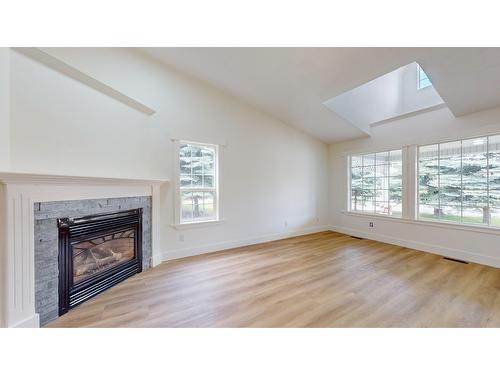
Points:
(423, 80)
(395, 94)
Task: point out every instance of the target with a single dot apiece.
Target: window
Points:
(423, 80)
(460, 181)
(198, 182)
(376, 183)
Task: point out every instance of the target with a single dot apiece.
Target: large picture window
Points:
(198, 182)
(376, 183)
(460, 181)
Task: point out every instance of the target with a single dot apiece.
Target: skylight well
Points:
(393, 95)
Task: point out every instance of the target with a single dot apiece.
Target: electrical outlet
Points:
(370, 224)
(286, 223)
(317, 219)
(181, 237)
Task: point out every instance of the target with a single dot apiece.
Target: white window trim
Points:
(220, 145)
(197, 224)
(465, 225)
(428, 222)
(405, 188)
(410, 207)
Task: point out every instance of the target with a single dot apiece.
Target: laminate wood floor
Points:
(321, 280)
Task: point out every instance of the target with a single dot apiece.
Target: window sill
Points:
(197, 224)
(429, 223)
(378, 216)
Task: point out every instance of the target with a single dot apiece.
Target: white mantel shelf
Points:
(34, 178)
(19, 191)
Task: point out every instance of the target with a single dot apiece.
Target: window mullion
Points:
(188, 189)
(410, 178)
(461, 182)
(439, 181)
(488, 180)
(374, 182)
(388, 183)
(363, 184)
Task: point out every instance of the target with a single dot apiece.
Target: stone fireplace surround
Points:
(47, 246)
(20, 194)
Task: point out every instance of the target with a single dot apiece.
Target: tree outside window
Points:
(460, 181)
(376, 183)
(198, 182)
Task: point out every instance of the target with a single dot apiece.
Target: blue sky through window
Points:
(423, 80)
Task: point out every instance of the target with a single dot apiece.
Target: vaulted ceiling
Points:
(291, 84)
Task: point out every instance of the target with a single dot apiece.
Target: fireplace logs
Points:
(94, 256)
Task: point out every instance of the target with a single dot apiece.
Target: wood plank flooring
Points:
(321, 280)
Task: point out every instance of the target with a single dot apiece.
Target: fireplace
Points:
(97, 252)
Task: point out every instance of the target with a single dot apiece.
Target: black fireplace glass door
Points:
(97, 255)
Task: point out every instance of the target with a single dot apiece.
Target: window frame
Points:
(411, 193)
(178, 222)
(403, 182)
(452, 223)
(420, 70)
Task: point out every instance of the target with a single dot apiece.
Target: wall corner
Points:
(4, 109)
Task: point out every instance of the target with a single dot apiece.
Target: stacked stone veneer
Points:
(46, 243)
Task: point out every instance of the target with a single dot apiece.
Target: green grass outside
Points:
(495, 221)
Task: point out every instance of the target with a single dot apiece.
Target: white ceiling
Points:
(291, 84)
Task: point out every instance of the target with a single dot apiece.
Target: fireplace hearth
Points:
(97, 252)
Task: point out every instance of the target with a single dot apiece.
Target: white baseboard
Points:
(31, 322)
(203, 249)
(422, 246)
(156, 260)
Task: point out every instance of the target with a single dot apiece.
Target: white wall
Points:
(4, 110)
(430, 127)
(3, 254)
(4, 164)
(272, 172)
